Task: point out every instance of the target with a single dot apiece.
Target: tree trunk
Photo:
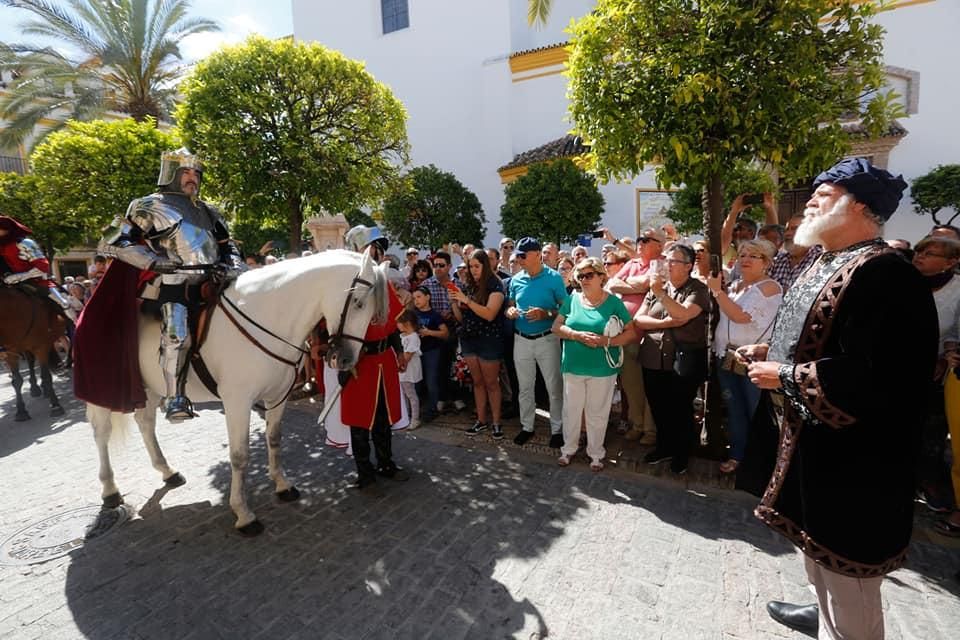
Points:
(713, 411)
(295, 204)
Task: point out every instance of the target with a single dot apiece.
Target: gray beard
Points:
(812, 229)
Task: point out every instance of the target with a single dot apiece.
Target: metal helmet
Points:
(357, 238)
(170, 161)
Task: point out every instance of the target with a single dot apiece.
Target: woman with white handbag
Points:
(593, 325)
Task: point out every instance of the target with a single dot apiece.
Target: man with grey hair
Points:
(842, 395)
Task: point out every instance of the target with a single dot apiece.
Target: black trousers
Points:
(380, 434)
(671, 403)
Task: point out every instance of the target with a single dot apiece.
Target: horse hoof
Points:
(21, 416)
(56, 411)
(251, 530)
(175, 480)
(290, 495)
(112, 501)
(36, 392)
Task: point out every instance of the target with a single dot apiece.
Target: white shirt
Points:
(762, 310)
(947, 299)
(414, 370)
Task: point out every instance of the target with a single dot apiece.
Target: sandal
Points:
(563, 461)
(596, 465)
(729, 466)
(947, 528)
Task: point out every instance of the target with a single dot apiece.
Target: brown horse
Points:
(29, 324)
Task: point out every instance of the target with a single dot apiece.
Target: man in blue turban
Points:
(852, 351)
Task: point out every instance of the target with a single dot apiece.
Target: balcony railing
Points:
(12, 164)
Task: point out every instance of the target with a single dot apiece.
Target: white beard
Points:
(817, 223)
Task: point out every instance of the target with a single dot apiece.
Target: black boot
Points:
(802, 618)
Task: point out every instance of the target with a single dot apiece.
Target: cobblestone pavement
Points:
(485, 541)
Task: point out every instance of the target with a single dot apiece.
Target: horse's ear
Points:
(366, 259)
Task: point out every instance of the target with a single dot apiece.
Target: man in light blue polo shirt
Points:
(534, 296)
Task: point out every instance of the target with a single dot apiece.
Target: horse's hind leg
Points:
(46, 379)
(102, 424)
(146, 420)
(286, 492)
(238, 437)
(17, 379)
(35, 389)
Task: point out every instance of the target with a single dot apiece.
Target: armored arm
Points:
(123, 239)
(230, 254)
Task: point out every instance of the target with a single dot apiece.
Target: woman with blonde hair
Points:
(593, 325)
(747, 312)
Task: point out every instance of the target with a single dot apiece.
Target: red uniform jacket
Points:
(24, 255)
(359, 398)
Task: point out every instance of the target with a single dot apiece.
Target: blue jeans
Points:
(433, 376)
(742, 398)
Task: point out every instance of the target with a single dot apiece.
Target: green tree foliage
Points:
(696, 87)
(287, 126)
(89, 172)
(938, 190)
(17, 196)
(93, 57)
(433, 209)
(358, 216)
(554, 202)
(687, 208)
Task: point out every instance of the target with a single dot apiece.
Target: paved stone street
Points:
(486, 541)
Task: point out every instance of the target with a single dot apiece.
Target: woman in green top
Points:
(593, 325)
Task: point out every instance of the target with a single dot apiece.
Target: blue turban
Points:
(877, 188)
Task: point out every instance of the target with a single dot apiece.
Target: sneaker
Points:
(414, 424)
(934, 502)
(522, 437)
(476, 428)
(656, 457)
(497, 432)
(556, 441)
(648, 439)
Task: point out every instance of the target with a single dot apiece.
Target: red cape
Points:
(106, 367)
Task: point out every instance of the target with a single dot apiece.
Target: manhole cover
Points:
(58, 535)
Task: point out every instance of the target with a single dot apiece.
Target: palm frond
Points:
(538, 11)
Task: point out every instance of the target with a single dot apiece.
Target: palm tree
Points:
(538, 11)
(105, 55)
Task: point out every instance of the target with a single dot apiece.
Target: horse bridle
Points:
(346, 309)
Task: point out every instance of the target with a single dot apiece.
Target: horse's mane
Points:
(381, 300)
(272, 275)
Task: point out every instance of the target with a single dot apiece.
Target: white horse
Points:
(276, 306)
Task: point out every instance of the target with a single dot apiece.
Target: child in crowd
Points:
(412, 372)
(433, 333)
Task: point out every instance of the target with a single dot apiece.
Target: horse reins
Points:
(303, 352)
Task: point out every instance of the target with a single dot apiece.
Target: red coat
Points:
(358, 403)
(23, 255)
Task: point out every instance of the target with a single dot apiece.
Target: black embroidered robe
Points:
(858, 338)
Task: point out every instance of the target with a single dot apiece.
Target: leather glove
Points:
(225, 272)
(343, 377)
(163, 265)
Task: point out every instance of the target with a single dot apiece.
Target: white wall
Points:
(923, 38)
(450, 70)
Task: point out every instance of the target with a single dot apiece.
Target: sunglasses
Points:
(699, 251)
(646, 240)
(522, 255)
(610, 264)
(586, 275)
(439, 265)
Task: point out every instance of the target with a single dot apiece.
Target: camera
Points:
(598, 233)
(753, 198)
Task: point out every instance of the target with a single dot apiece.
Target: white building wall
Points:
(923, 38)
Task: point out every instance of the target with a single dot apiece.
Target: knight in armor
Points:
(22, 262)
(370, 401)
(183, 241)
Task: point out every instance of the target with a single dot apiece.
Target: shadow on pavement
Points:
(15, 436)
(419, 562)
